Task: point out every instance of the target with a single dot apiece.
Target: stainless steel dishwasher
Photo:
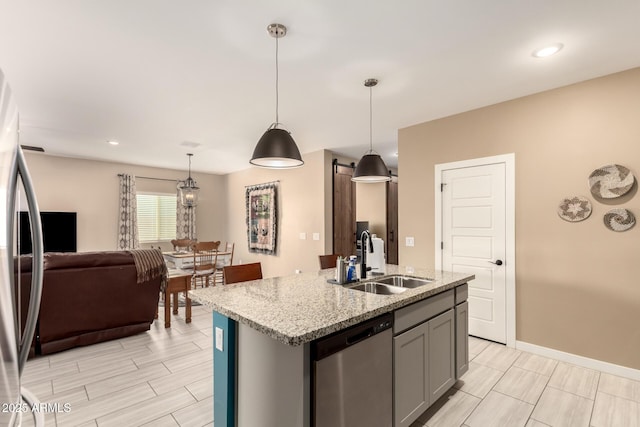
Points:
(352, 376)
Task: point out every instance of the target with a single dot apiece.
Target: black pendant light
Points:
(276, 149)
(189, 189)
(371, 167)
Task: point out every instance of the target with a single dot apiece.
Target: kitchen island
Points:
(263, 331)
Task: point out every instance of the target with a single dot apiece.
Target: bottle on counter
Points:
(351, 271)
(341, 271)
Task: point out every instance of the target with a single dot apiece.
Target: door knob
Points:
(498, 262)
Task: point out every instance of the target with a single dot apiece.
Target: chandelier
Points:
(188, 189)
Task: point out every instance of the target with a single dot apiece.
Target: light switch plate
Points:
(408, 241)
(316, 236)
(303, 236)
(219, 339)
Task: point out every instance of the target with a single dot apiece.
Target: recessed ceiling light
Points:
(112, 142)
(547, 50)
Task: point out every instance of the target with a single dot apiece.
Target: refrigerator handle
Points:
(12, 188)
(37, 263)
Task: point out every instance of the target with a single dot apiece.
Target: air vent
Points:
(32, 148)
(190, 144)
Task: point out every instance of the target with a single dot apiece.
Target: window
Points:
(156, 217)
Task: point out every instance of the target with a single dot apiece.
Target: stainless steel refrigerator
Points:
(15, 335)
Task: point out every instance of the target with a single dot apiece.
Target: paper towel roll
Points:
(375, 259)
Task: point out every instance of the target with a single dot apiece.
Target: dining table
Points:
(184, 259)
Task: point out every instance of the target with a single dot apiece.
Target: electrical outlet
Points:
(409, 241)
(303, 236)
(219, 339)
(316, 236)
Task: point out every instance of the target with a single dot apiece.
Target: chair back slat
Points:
(242, 272)
(205, 255)
(223, 260)
(328, 261)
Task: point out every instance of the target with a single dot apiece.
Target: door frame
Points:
(510, 227)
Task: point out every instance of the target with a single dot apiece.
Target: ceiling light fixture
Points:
(188, 189)
(371, 167)
(547, 50)
(276, 149)
(112, 142)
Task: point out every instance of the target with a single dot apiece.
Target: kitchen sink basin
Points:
(378, 288)
(403, 281)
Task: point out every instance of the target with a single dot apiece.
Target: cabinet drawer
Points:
(462, 292)
(421, 311)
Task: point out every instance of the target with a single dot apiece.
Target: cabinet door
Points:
(441, 356)
(462, 339)
(411, 375)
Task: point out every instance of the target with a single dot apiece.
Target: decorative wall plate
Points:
(574, 209)
(611, 181)
(619, 220)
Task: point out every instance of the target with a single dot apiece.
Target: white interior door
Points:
(474, 241)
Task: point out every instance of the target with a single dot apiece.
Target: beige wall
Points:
(303, 207)
(371, 205)
(90, 188)
(577, 283)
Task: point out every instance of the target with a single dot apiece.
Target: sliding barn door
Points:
(392, 221)
(344, 211)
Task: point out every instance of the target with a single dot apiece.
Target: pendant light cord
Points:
(276, 125)
(370, 119)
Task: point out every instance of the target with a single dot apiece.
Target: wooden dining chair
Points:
(242, 272)
(225, 259)
(182, 244)
(328, 261)
(205, 256)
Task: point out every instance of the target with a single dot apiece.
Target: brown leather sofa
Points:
(88, 298)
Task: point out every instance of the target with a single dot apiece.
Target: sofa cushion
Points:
(57, 261)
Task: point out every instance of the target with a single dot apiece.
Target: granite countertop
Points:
(300, 308)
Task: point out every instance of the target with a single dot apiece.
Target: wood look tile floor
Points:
(510, 388)
(164, 377)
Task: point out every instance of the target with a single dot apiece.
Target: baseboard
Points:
(585, 362)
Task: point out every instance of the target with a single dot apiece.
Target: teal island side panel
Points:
(224, 370)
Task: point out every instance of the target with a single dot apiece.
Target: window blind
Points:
(156, 217)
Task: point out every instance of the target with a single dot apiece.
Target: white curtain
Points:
(128, 214)
(185, 221)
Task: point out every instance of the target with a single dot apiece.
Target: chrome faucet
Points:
(365, 237)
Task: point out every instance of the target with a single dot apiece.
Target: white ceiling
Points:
(153, 74)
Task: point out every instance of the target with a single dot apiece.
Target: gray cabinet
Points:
(441, 356)
(424, 360)
(430, 351)
(462, 338)
(411, 375)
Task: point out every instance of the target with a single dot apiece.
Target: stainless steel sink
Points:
(403, 281)
(377, 288)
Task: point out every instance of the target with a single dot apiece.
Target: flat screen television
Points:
(58, 232)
